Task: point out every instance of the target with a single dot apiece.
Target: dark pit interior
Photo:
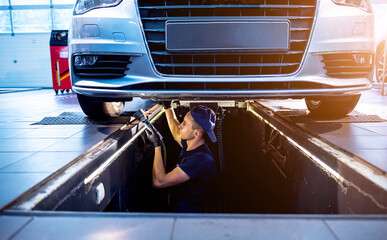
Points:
(250, 182)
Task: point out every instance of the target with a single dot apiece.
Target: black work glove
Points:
(166, 104)
(154, 137)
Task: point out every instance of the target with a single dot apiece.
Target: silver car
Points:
(380, 12)
(320, 50)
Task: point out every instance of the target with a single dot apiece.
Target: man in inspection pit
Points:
(195, 166)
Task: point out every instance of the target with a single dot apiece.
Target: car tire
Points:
(96, 109)
(331, 107)
(379, 64)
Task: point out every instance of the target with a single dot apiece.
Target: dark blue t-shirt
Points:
(199, 165)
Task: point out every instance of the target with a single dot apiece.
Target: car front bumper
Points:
(143, 80)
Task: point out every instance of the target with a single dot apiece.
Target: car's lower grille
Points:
(224, 86)
(154, 14)
(107, 66)
(347, 65)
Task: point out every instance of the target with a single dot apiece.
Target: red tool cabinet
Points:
(59, 61)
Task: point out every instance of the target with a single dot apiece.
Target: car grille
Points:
(107, 66)
(154, 14)
(194, 86)
(344, 65)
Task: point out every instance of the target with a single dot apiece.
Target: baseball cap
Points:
(206, 118)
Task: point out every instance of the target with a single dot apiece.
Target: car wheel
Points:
(94, 108)
(379, 65)
(331, 107)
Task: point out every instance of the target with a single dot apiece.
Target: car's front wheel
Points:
(331, 107)
(97, 109)
(380, 64)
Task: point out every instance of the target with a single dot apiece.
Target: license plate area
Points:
(247, 35)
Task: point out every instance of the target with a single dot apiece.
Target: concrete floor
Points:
(367, 140)
(29, 153)
(188, 226)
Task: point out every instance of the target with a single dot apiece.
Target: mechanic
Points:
(195, 166)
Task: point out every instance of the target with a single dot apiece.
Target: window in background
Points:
(3, 2)
(27, 16)
(30, 2)
(36, 20)
(63, 1)
(62, 19)
(5, 26)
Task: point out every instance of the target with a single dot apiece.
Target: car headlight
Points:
(82, 6)
(362, 4)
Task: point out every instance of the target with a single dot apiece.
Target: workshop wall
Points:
(25, 60)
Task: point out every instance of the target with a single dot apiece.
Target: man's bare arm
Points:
(173, 124)
(160, 178)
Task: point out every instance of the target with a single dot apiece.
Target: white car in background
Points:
(320, 50)
(380, 12)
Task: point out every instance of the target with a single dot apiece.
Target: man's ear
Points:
(197, 133)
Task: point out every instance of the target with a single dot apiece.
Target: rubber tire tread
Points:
(332, 107)
(98, 109)
(379, 54)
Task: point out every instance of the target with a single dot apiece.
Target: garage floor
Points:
(28, 152)
(363, 133)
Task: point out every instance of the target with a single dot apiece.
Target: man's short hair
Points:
(196, 126)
